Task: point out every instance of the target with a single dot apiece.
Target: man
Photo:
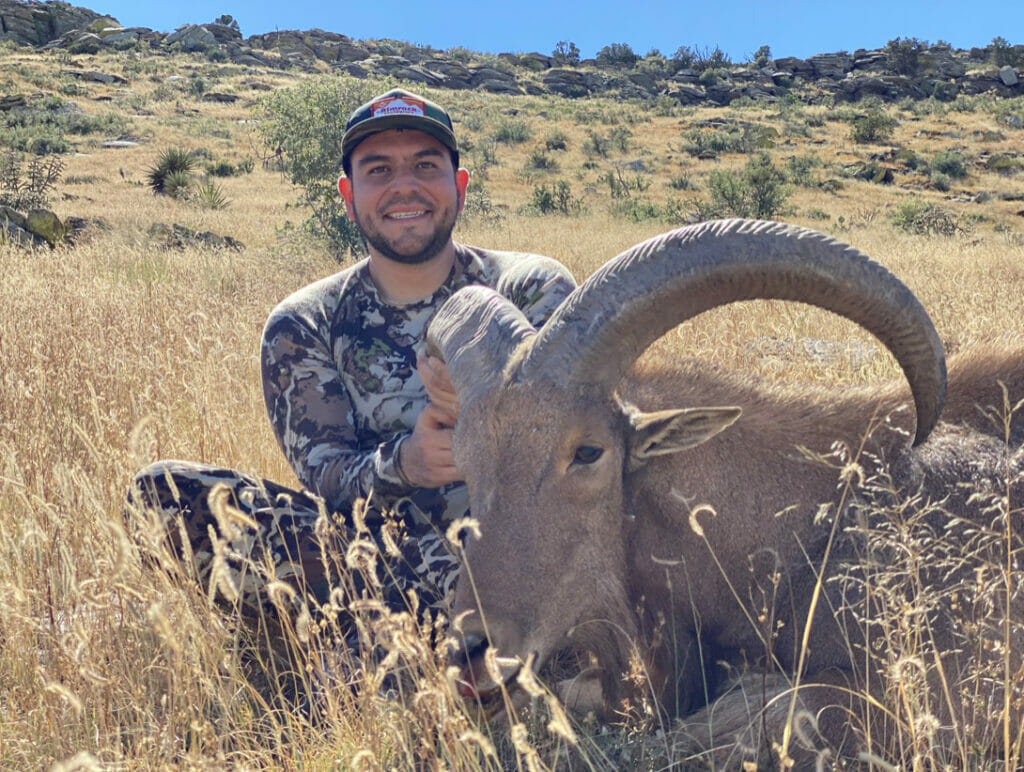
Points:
(360, 415)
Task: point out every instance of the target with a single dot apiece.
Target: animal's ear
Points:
(669, 431)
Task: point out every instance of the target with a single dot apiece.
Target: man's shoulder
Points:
(320, 301)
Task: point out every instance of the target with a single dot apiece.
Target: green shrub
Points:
(800, 170)
(512, 131)
(554, 199)
(915, 215)
(618, 55)
(556, 140)
(940, 181)
(541, 161)
(304, 126)
(596, 144)
(758, 191)
(620, 138)
(950, 163)
(876, 126)
(27, 186)
(904, 56)
(1002, 164)
(732, 138)
(566, 53)
(1003, 54)
(681, 182)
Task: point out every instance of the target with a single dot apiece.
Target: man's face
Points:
(404, 194)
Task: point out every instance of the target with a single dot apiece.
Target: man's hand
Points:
(434, 374)
(425, 457)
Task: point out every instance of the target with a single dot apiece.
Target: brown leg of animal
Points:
(756, 720)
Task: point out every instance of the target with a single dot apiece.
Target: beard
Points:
(424, 252)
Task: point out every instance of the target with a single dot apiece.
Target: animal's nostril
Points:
(471, 647)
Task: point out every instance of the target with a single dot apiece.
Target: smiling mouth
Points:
(405, 215)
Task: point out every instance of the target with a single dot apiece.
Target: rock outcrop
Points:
(940, 71)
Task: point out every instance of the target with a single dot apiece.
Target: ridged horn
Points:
(610, 320)
(475, 332)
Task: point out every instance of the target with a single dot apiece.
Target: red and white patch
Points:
(397, 105)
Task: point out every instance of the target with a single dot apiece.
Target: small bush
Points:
(595, 144)
(950, 163)
(554, 199)
(1003, 164)
(876, 126)
(172, 170)
(617, 55)
(566, 53)
(940, 181)
(304, 127)
(620, 138)
(512, 132)
(541, 161)
(210, 196)
(800, 170)
(176, 184)
(556, 140)
(759, 190)
(681, 182)
(904, 56)
(29, 187)
(915, 215)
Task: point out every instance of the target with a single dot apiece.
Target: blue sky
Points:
(738, 27)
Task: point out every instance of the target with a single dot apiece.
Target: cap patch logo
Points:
(397, 105)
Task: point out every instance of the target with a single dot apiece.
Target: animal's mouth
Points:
(476, 683)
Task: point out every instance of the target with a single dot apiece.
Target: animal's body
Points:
(686, 515)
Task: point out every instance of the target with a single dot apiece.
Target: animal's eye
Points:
(587, 454)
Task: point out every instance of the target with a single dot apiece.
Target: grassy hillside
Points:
(123, 349)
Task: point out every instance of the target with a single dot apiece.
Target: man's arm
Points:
(314, 420)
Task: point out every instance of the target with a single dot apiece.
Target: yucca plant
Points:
(172, 162)
(177, 184)
(210, 196)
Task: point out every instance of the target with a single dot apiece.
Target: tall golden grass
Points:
(117, 351)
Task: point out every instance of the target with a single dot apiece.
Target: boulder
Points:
(86, 43)
(36, 24)
(13, 234)
(180, 236)
(191, 37)
(570, 83)
(418, 74)
(46, 225)
(831, 66)
(1008, 76)
(499, 86)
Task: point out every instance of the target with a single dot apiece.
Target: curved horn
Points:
(475, 332)
(611, 319)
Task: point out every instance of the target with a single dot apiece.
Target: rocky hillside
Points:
(912, 70)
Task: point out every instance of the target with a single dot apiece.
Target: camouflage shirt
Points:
(340, 381)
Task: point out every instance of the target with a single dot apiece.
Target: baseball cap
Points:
(397, 109)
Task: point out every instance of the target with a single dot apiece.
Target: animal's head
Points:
(549, 451)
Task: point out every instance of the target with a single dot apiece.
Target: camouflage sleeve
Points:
(313, 417)
(537, 285)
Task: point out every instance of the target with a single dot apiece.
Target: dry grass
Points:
(117, 352)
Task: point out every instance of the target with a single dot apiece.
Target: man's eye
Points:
(378, 170)
(587, 454)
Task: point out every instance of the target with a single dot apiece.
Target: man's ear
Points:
(669, 431)
(461, 183)
(345, 188)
